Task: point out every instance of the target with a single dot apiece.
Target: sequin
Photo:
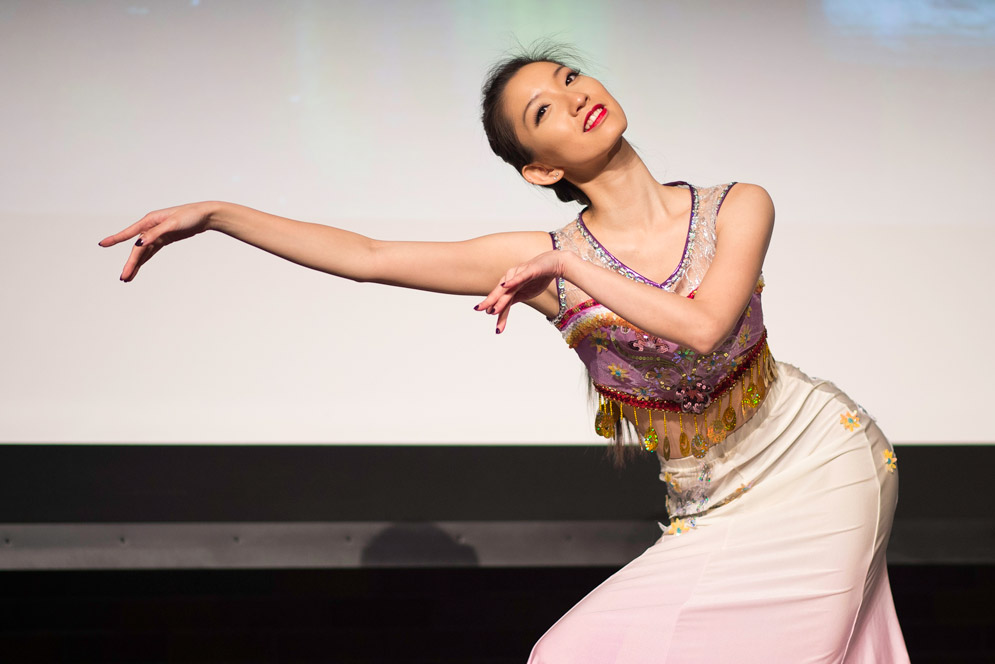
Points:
(850, 421)
(604, 424)
(729, 418)
(716, 431)
(685, 444)
(650, 440)
(699, 447)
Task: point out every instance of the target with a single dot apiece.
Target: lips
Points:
(595, 117)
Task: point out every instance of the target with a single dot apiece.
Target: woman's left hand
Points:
(522, 283)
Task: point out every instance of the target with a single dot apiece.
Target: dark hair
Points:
(500, 133)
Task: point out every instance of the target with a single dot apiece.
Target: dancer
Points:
(781, 490)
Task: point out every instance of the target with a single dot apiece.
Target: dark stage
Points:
(387, 554)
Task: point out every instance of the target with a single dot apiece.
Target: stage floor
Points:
(362, 616)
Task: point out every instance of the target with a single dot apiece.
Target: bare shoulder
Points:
(746, 199)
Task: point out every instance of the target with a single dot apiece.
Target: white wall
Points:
(869, 123)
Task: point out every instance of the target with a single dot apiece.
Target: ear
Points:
(541, 174)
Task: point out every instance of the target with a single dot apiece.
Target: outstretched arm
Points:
(467, 268)
(744, 228)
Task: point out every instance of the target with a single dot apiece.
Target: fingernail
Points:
(138, 242)
(476, 307)
(497, 330)
(502, 284)
(491, 310)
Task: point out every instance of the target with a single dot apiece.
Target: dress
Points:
(775, 551)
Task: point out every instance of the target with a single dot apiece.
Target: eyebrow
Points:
(556, 74)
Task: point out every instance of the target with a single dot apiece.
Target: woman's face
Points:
(567, 120)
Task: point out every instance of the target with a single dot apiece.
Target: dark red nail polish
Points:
(502, 284)
(497, 330)
(139, 243)
(476, 307)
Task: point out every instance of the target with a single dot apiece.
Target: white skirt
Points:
(775, 551)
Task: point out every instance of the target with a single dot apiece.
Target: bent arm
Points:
(744, 228)
(743, 233)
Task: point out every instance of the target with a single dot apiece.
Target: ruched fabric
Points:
(782, 559)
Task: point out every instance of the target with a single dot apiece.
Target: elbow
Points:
(707, 338)
(367, 260)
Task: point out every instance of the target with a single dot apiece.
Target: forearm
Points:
(661, 313)
(332, 250)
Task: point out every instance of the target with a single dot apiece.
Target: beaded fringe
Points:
(698, 431)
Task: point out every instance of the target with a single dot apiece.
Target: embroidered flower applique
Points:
(682, 354)
(617, 372)
(671, 482)
(600, 340)
(678, 526)
(694, 397)
(645, 342)
(850, 421)
(890, 460)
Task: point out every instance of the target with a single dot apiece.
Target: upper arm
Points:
(470, 267)
(743, 232)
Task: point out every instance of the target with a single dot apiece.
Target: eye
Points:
(541, 111)
(571, 76)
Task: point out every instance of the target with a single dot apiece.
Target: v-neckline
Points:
(627, 271)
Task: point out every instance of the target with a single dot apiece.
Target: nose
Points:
(578, 101)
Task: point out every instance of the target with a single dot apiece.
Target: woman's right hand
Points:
(157, 229)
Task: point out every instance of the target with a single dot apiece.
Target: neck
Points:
(624, 193)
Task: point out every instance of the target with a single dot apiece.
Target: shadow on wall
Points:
(421, 544)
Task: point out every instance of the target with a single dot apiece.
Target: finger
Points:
(145, 258)
(492, 297)
(139, 226)
(487, 302)
(155, 232)
(139, 256)
(502, 321)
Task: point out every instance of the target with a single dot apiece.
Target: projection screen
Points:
(869, 122)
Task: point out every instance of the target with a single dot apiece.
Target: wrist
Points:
(218, 216)
(570, 264)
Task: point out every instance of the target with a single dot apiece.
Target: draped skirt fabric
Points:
(775, 551)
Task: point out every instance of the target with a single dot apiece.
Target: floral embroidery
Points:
(617, 372)
(683, 354)
(644, 393)
(657, 376)
(744, 337)
(850, 421)
(678, 526)
(890, 460)
(600, 340)
(671, 482)
(693, 398)
(749, 310)
(646, 342)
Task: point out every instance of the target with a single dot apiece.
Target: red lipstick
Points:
(595, 117)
